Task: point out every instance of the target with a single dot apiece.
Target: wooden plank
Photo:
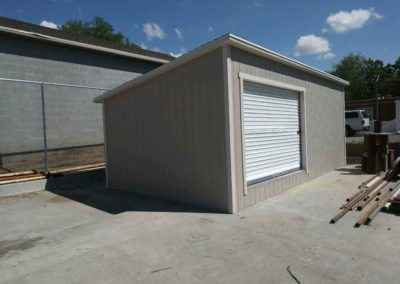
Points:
(22, 179)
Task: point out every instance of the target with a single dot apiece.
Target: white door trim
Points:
(230, 163)
(303, 137)
(269, 82)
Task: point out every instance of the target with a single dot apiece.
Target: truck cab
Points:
(356, 120)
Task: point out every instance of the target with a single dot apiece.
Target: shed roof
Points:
(227, 39)
(25, 29)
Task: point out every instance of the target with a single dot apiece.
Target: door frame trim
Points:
(303, 129)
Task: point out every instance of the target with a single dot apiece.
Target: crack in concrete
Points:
(7, 246)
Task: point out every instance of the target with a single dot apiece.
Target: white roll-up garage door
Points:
(271, 131)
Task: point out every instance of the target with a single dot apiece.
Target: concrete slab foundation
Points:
(82, 233)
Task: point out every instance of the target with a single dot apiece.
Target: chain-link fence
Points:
(46, 126)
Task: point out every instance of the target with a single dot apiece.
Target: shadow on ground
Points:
(89, 188)
(351, 171)
(393, 209)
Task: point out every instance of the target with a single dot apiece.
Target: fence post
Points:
(46, 168)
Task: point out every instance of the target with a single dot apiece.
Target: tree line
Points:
(98, 28)
(368, 77)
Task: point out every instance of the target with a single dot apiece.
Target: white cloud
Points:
(328, 56)
(179, 33)
(324, 30)
(210, 29)
(312, 44)
(49, 24)
(156, 49)
(153, 30)
(180, 53)
(344, 21)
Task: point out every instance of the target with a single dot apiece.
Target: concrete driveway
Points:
(80, 233)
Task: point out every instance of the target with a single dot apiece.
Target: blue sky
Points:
(318, 33)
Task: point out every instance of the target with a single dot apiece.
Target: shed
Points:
(223, 127)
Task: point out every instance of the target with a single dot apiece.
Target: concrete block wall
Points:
(72, 117)
(57, 158)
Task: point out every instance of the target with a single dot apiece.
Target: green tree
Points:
(392, 82)
(352, 68)
(392, 86)
(374, 77)
(368, 77)
(98, 28)
(397, 65)
(74, 27)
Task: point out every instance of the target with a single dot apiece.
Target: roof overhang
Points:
(225, 40)
(43, 37)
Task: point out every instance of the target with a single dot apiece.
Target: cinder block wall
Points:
(57, 158)
(72, 117)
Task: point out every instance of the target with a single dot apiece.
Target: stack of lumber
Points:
(77, 169)
(20, 177)
(35, 175)
(372, 196)
(396, 198)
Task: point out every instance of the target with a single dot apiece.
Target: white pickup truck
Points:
(356, 120)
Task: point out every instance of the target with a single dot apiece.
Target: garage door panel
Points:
(251, 134)
(273, 109)
(260, 175)
(273, 127)
(273, 170)
(270, 124)
(268, 155)
(276, 113)
(262, 149)
(270, 141)
(274, 105)
(271, 159)
(257, 146)
(271, 155)
(262, 136)
(271, 137)
(271, 120)
(253, 99)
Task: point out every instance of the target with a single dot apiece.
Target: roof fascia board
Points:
(262, 51)
(40, 36)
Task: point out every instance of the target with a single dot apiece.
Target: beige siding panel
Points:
(166, 137)
(324, 102)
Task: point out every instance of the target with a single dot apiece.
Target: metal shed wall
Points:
(166, 137)
(324, 125)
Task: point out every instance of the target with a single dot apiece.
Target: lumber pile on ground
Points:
(77, 169)
(20, 177)
(373, 195)
(32, 175)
